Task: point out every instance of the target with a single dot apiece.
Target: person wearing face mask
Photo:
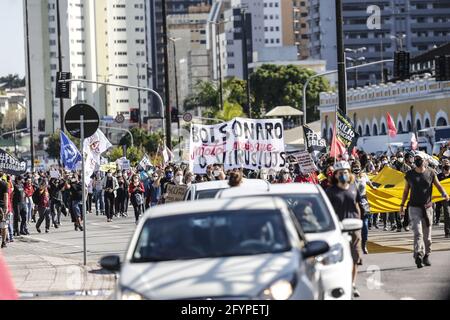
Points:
(409, 160)
(285, 177)
(444, 205)
(419, 186)
(168, 179)
(122, 189)
(154, 188)
(345, 198)
(110, 186)
(218, 173)
(179, 178)
(400, 164)
(210, 173)
(189, 178)
(29, 204)
(136, 191)
(263, 175)
(42, 198)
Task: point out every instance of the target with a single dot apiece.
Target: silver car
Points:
(250, 248)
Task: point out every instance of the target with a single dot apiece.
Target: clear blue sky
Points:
(12, 53)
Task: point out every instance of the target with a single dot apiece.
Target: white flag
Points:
(145, 162)
(167, 155)
(93, 147)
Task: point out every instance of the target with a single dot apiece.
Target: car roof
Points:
(223, 184)
(216, 205)
(273, 189)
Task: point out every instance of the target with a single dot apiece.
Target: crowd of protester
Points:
(37, 198)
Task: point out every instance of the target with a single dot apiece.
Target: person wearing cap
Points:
(346, 198)
(419, 186)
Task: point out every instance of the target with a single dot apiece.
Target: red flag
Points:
(414, 143)
(391, 126)
(7, 290)
(337, 147)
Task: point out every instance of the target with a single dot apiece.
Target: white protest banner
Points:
(55, 174)
(305, 162)
(145, 162)
(175, 193)
(240, 143)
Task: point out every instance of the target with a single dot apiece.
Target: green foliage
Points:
(134, 154)
(144, 140)
(54, 144)
(230, 111)
(273, 86)
(13, 81)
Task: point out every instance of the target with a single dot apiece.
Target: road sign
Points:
(120, 118)
(187, 117)
(91, 120)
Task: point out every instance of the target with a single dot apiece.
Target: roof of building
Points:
(431, 54)
(295, 135)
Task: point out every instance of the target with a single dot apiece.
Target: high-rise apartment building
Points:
(412, 25)
(101, 40)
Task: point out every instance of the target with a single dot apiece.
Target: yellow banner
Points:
(388, 196)
(109, 166)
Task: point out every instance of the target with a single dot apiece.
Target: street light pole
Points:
(166, 77)
(174, 40)
(61, 100)
(139, 96)
(245, 61)
(342, 83)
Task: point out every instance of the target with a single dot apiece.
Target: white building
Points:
(99, 41)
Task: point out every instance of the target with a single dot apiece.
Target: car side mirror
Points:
(315, 248)
(350, 225)
(111, 263)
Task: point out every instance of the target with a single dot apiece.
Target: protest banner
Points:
(314, 142)
(305, 162)
(346, 132)
(55, 174)
(175, 193)
(240, 143)
(11, 165)
(109, 166)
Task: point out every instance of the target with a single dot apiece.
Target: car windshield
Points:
(311, 212)
(211, 235)
(207, 194)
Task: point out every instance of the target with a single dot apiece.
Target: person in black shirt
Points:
(56, 204)
(345, 198)
(19, 208)
(444, 205)
(110, 186)
(419, 185)
(76, 196)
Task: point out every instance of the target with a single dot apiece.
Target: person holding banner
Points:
(136, 191)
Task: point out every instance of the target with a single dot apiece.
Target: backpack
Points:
(36, 196)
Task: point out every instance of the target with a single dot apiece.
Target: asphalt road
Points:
(394, 276)
(43, 262)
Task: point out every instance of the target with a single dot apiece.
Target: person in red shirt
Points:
(285, 177)
(309, 178)
(136, 190)
(327, 183)
(29, 191)
(43, 205)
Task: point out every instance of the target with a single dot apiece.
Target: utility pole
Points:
(166, 78)
(220, 64)
(139, 95)
(30, 104)
(341, 58)
(245, 61)
(61, 100)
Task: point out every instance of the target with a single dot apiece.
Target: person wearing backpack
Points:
(136, 191)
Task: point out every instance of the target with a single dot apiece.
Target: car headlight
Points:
(334, 255)
(126, 294)
(282, 289)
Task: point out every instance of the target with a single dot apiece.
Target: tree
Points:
(12, 81)
(230, 111)
(149, 142)
(206, 95)
(13, 117)
(134, 154)
(274, 86)
(54, 144)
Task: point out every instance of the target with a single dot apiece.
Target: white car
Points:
(250, 248)
(208, 190)
(319, 222)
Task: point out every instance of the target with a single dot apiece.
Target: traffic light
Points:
(63, 90)
(174, 115)
(134, 115)
(442, 67)
(402, 65)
